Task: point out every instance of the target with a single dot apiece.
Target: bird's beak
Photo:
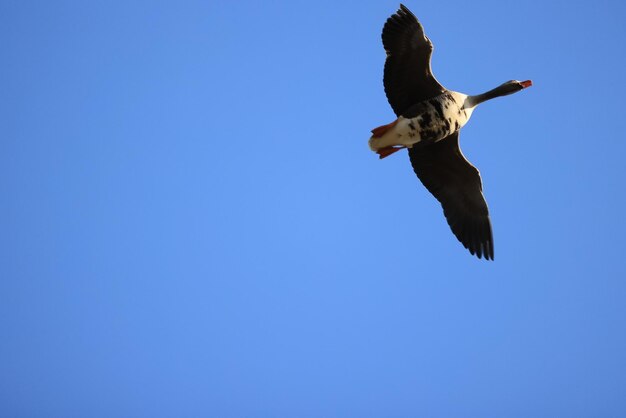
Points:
(526, 83)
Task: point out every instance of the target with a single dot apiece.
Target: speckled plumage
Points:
(428, 121)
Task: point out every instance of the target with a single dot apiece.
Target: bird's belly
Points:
(438, 118)
(429, 121)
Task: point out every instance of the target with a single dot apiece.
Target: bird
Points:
(429, 119)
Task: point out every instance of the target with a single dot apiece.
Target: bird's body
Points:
(429, 119)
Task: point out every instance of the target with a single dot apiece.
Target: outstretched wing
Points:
(408, 78)
(456, 183)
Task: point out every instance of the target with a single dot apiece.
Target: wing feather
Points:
(408, 78)
(456, 184)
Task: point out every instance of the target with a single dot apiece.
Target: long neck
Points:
(499, 91)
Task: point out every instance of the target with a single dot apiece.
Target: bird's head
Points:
(513, 86)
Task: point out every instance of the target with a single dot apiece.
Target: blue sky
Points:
(193, 224)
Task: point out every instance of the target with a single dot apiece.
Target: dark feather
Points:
(408, 78)
(456, 183)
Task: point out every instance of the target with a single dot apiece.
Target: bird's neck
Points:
(499, 91)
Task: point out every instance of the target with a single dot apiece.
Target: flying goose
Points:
(428, 124)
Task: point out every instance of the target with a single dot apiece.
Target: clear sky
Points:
(192, 224)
